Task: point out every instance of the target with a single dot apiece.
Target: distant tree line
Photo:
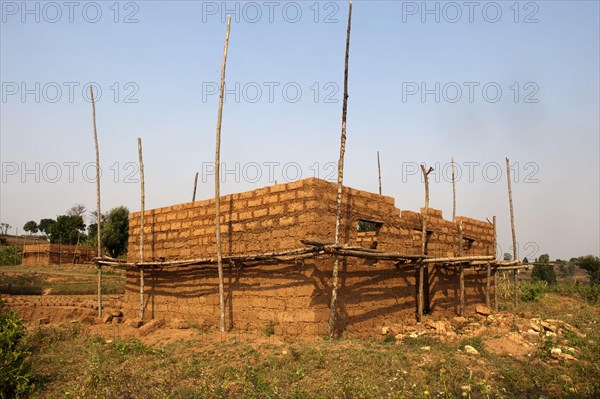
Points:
(70, 229)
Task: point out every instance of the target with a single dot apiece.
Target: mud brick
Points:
(260, 213)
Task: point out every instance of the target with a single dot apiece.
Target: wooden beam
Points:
(461, 272)
(98, 212)
(379, 171)
(142, 207)
(338, 215)
(487, 285)
(514, 237)
(218, 183)
(495, 271)
(420, 296)
(195, 186)
(453, 193)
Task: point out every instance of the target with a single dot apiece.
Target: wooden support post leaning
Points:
(338, 215)
(195, 186)
(495, 270)
(514, 237)
(379, 171)
(218, 184)
(423, 243)
(142, 207)
(453, 193)
(461, 272)
(98, 213)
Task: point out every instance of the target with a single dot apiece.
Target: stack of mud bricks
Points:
(295, 297)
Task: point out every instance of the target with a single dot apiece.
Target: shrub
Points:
(531, 292)
(15, 378)
(10, 255)
(544, 273)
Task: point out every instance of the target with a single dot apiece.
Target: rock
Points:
(470, 350)
(555, 351)
(117, 320)
(151, 326)
(180, 324)
(413, 335)
(526, 314)
(385, 330)
(535, 325)
(550, 334)
(548, 326)
(483, 310)
(399, 337)
(44, 320)
(425, 348)
(109, 341)
(116, 313)
(107, 318)
(284, 352)
(458, 321)
(134, 323)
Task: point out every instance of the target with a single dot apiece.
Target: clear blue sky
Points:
(543, 56)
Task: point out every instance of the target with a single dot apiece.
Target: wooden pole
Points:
(487, 285)
(514, 237)
(495, 271)
(423, 243)
(461, 271)
(218, 183)
(98, 224)
(453, 193)
(338, 215)
(379, 171)
(143, 207)
(195, 186)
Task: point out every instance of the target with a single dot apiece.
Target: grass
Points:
(58, 280)
(70, 362)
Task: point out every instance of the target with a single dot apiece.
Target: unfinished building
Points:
(56, 254)
(293, 293)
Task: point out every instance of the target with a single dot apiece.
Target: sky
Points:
(477, 81)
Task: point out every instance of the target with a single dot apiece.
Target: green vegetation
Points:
(10, 255)
(591, 264)
(544, 271)
(15, 377)
(115, 231)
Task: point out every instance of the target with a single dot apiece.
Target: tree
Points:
(525, 260)
(115, 231)
(591, 264)
(67, 229)
(31, 227)
(4, 228)
(45, 225)
(544, 272)
(77, 210)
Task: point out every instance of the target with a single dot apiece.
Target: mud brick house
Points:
(295, 296)
(56, 254)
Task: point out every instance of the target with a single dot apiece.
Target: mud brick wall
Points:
(55, 254)
(296, 296)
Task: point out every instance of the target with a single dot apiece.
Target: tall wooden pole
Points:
(195, 186)
(461, 271)
(379, 171)
(514, 237)
(338, 215)
(98, 212)
(423, 242)
(218, 183)
(453, 193)
(495, 270)
(143, 207)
